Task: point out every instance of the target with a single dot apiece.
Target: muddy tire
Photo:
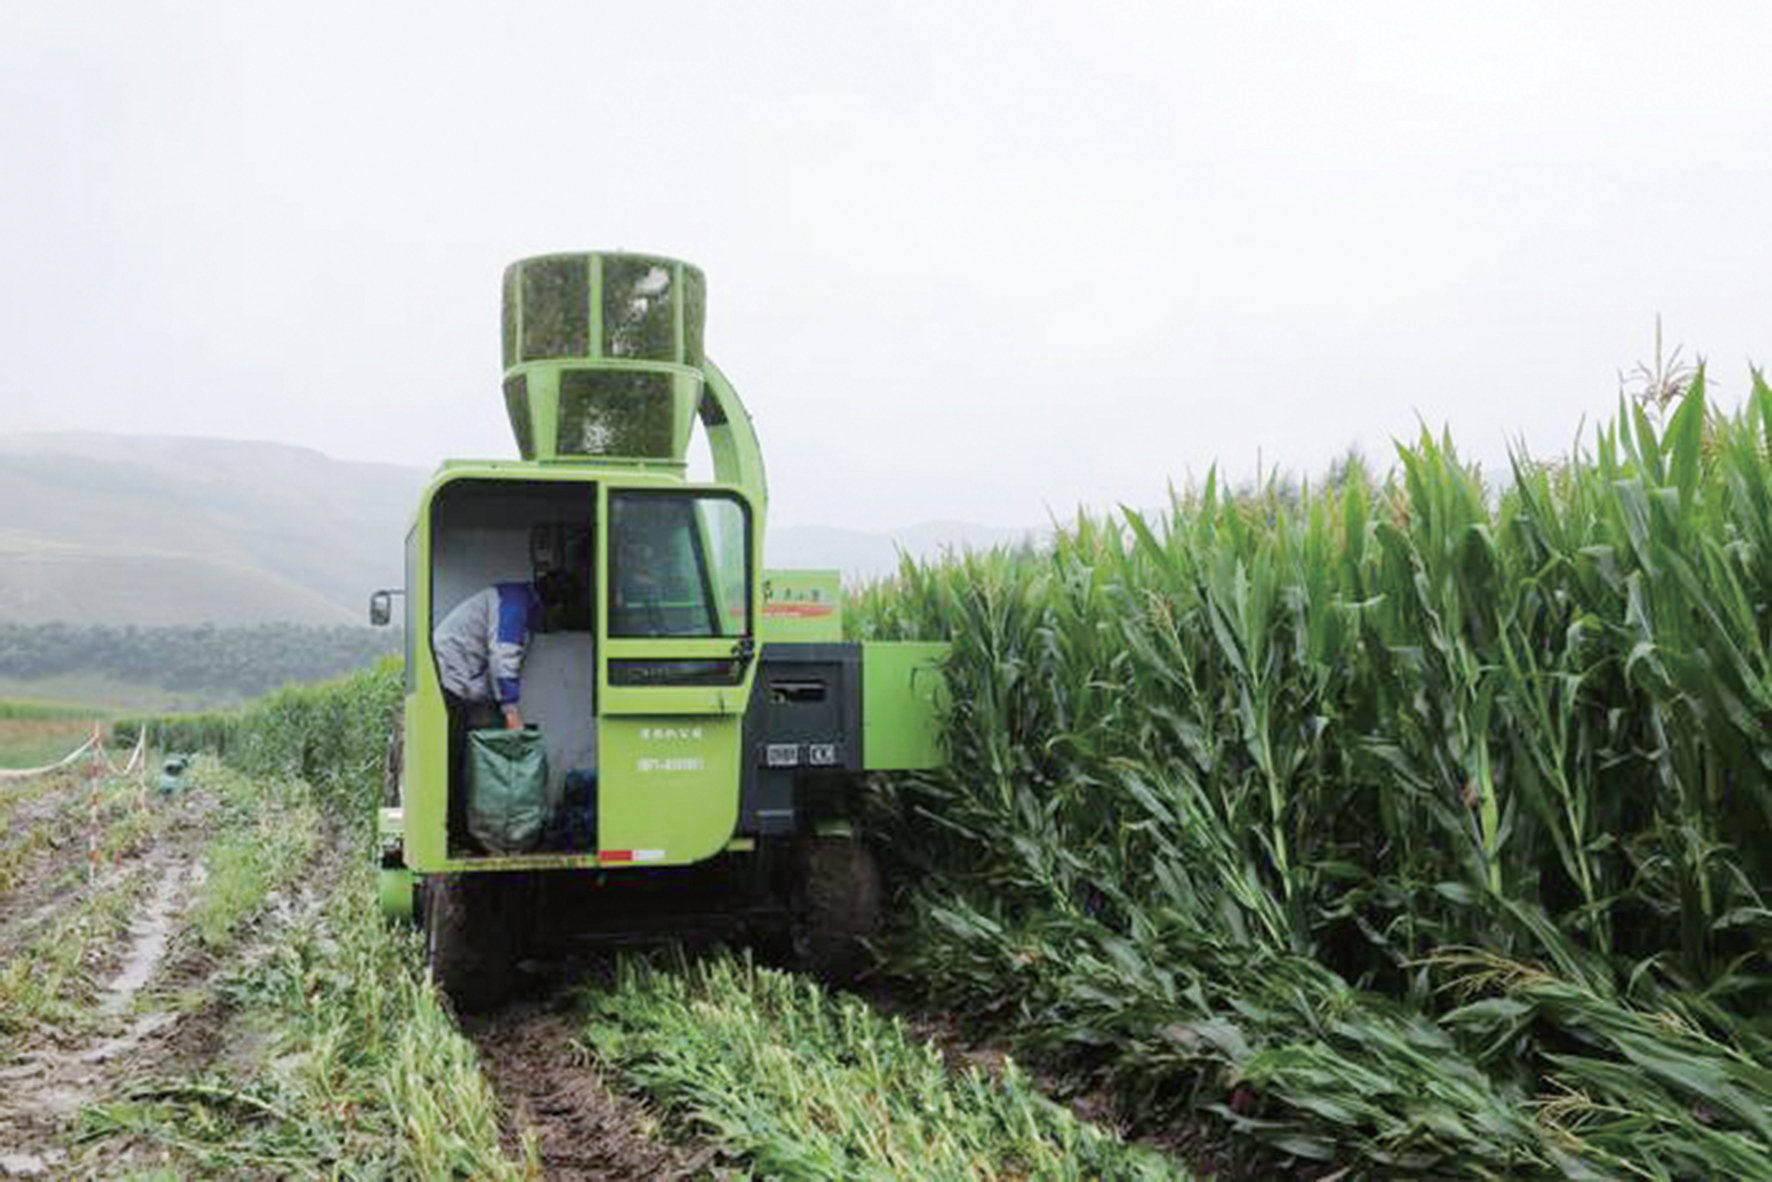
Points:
(836, 908)
(471, 938)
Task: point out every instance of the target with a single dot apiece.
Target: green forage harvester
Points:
(703, 724)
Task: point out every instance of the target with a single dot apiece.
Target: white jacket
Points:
(480, 643)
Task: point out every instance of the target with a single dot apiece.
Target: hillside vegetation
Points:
(145, 530)
(201, 663)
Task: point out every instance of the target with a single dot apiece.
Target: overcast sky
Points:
(965, 261)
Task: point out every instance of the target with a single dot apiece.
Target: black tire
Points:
(471, 938)
(836, 908)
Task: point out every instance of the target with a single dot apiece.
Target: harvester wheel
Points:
(471, 938)
(837, 907)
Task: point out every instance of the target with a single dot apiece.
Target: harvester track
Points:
(555, 1098)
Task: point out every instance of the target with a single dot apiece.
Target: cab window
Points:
(679, 565)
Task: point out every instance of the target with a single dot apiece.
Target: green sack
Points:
(507, 789)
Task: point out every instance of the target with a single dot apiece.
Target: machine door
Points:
(679, 634)
(678, 594)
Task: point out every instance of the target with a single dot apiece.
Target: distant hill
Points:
(115, 529)
(152, 530)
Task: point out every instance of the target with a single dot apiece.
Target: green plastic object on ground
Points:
(171, 774)
(508, 802)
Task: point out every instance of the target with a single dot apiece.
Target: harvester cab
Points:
(697, 727)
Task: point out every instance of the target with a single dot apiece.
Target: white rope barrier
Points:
(138, 759)
(98, 764)
(26, 773)
(138, 753)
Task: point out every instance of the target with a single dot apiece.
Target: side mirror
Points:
(381, 607)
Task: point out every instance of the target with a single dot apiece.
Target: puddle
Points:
(149, 930)
(27, 1165)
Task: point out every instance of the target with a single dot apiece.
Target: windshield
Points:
(679, 565)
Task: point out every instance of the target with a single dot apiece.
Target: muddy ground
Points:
(150, 1010)
(51, 1069)
(147, 1007)
(556, 1099)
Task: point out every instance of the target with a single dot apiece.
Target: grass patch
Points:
(27, 742)
(808, 1084)
(89, 692)
(12, 708)
(269, 835)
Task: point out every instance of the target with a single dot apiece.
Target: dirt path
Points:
(555, 1095)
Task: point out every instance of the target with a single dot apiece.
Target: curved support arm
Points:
(737, 458)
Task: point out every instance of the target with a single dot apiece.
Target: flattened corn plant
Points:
(1429, 823)
(802, 1083)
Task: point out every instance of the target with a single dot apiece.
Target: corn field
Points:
(332, 734)
(1413, 824)
(1410, 826)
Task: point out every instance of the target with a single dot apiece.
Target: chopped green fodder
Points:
(805, 1084)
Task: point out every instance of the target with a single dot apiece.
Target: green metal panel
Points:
(667, 788)
(426, 756)
(903, 699)
(802, 605)
(732, 440)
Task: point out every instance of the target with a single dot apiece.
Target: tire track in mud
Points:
(43, 826)
(58, 1072)
(557, 1098)
(158, 1012)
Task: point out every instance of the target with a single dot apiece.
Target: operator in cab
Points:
(480, 646)
(481, 642)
